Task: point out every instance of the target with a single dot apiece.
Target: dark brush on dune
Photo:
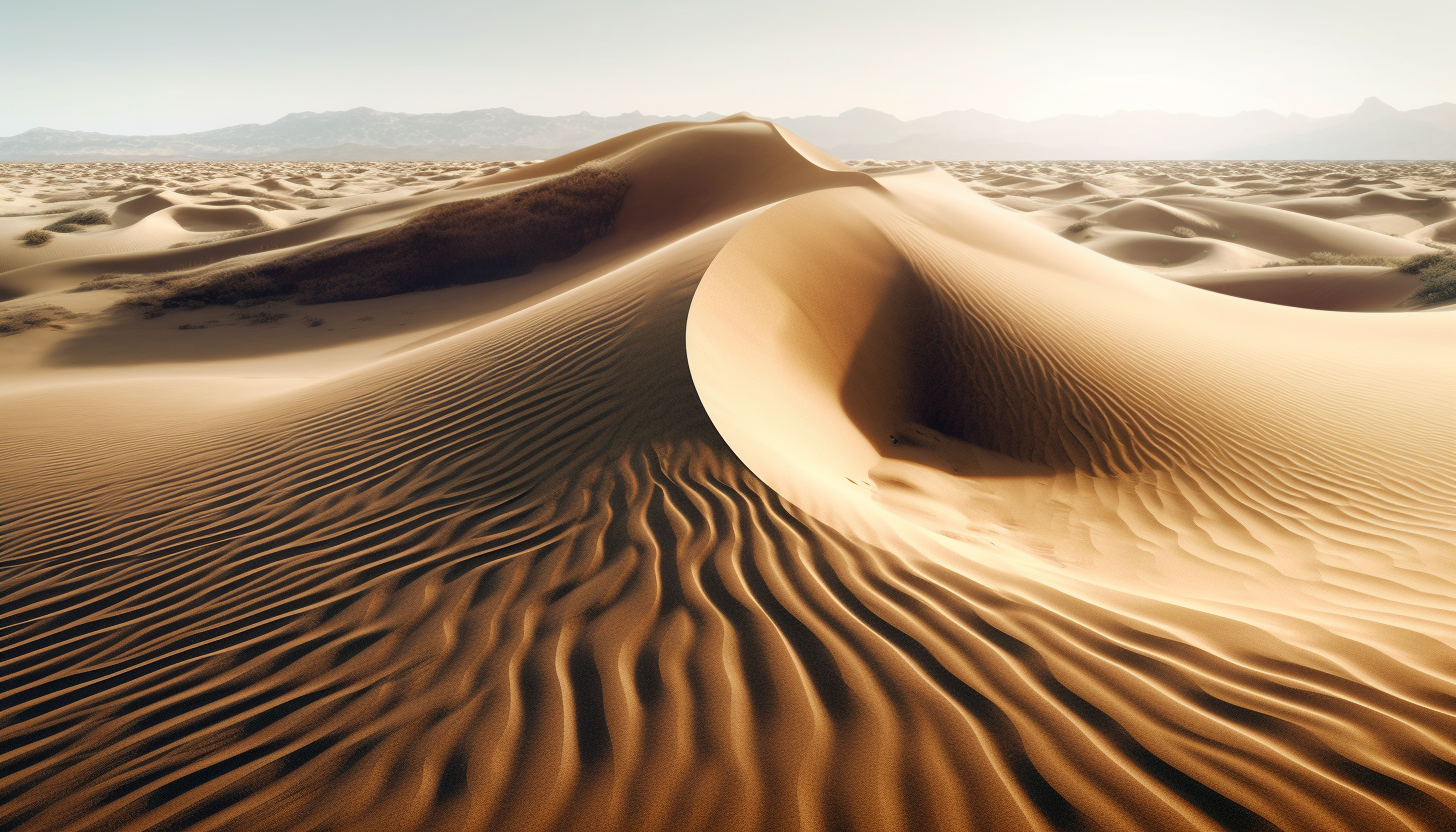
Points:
(1437, 273)
(36, 237)
(33, 317)
(78, 220)
(468, 241)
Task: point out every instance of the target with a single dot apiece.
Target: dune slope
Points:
(808, 499)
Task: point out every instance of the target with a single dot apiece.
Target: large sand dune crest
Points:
(807, 499)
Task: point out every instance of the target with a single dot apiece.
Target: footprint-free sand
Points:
(815, 496)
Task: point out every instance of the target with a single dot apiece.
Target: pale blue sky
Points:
(164, 66)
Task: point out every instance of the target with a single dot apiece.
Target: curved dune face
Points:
(1334, 288)
(1176, 255)
(205, 218)
(1147, 215)
(1441, 232)
(917, 302)
(908, 366)
(134, 209)
(806, 500)
(1288, 233)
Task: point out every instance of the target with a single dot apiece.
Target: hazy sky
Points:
(165, 66)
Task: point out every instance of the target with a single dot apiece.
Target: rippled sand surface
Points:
(815, 496)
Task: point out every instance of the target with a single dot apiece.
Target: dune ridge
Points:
(810, 498)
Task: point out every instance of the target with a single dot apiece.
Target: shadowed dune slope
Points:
(1335, 288)
(843, 503)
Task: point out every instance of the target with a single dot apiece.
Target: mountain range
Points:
(1375, 130)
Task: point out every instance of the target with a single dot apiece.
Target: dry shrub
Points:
(226, 235)
(257, 318)
(1184, 232)
(36, 237)
(37, 213)
(112, 280)
(78, 220)
(1437, 273)
(1330, 258)
(33, 317)
(469, 241)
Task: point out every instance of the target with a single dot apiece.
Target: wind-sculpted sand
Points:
(812, 497)
(1210, 224)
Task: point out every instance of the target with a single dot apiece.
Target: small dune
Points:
(207, 219)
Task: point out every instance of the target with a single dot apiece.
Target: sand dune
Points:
(808, 498)
(1196, 222)
(1334, 288)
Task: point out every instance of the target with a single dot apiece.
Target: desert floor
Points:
(814, 496)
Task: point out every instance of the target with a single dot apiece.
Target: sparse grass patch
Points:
(1184, 231)
(36, 237)
(1079, 226)
(1437, 274)
(33, 317)
(111, 281)
(1330, 258)
(79, 219)
(230, 235)
(46, 212)
(1436, 271)
(256, 318)
(468, 241)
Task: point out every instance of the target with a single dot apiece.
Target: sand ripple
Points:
(519, 578)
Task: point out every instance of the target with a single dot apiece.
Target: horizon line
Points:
(706, 113)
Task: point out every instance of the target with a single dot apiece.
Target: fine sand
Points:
(815, 496)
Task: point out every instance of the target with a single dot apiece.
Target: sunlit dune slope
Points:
(1201, 222)
(808, 499)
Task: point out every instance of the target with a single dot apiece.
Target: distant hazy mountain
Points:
(354, 152)
(498, 133)
(1374, 131)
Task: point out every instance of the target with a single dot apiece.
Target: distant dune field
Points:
(790, 494)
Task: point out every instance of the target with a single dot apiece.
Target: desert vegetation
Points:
(13, 320)
(1437, 273)
(77, 220)
(1330, 258)
(260, 317)
(46, 212)
(36, 237)
(226, 235)
(468, 241)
